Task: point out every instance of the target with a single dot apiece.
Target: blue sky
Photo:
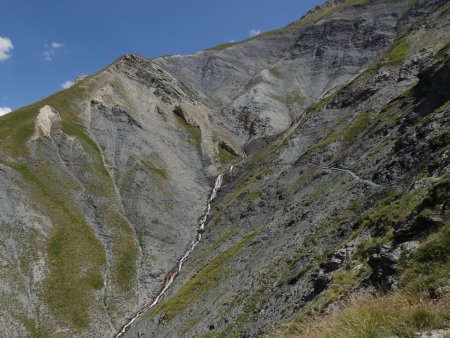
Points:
(45, 43)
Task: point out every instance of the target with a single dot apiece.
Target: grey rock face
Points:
(303, 207)
(132, 172)
(384, 266)
(260, 86)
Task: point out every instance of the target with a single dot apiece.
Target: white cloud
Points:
(56, 45)
(5, 48)
(5, 110)
(50, 50)
(254, 32)
(67, 84)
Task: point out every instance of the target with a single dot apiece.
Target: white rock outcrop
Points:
(43, 124)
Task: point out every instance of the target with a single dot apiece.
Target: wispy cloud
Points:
(56, 45)
(254, 32)
(50, 50)
(67, 84)
(5, 110)
(5, 48)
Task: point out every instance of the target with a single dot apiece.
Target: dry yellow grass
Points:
(397, 314)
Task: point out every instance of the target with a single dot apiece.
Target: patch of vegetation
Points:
(376, 317)
(275, 72)
(422, 275)
(279, 98)
(161, 173)
(440, 192)
(224, 46)
(302, 272)
(268, 154)
(365, 247)
(343, 280)
(295, 98)
(206, 279)
(441, 141)
(194, 132)
(30, 251)
(17, 127)
(428, 269)
(95, 280)
(289, 99)
(34, 329)
(80, 133)
(101, 184)
(339, 220)
(304, 177)
(225, 157)
(346, 133)
(75, 256)
(243, 186)
(308, 256)
(250, 304)
(125, 252)
(228, 234)
(250, 197)
(383, 216)
(202, 258)
(443, 54)
(391, 209)
(323, 102)
(398, 53)
(393, 112)
(356, 127)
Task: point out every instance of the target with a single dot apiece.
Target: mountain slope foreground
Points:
(338, 128)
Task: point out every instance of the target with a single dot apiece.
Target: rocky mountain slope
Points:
(339, 127)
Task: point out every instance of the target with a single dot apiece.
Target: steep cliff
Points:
(338, 125)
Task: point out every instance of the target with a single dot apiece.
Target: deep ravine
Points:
(170, 276)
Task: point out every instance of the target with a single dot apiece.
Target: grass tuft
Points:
(225, 157)
(275, 72)
(347, 133)
(428, 270)
(377, 317)
(398, 53)
(199, 285)
(161, 173)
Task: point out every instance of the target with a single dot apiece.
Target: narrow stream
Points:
(170, 276)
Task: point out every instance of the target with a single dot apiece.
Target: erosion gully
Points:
(170, 276)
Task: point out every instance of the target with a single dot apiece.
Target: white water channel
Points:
(170, 276)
